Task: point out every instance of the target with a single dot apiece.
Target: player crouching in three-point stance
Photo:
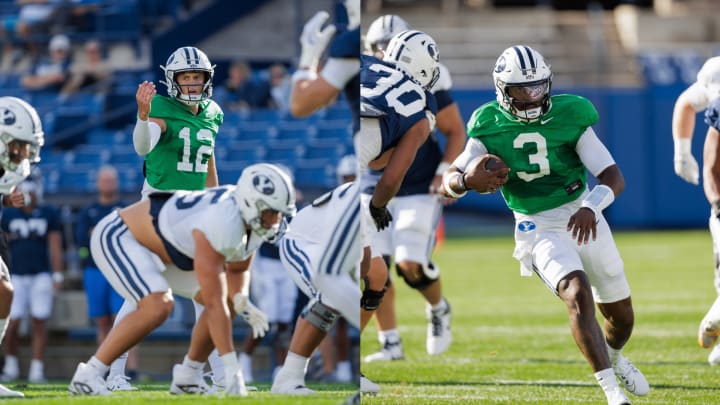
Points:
(21, 137)
(180, 243)
(561, 233)
(322, 253)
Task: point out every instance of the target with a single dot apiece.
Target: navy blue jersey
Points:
(393, 97)
(346, 45)
(86, 221)
(28, 238)
(712, 114)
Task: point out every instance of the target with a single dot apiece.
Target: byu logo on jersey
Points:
(526, 226)
(263, 184)
(8, 117)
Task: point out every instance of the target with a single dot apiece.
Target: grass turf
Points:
(512, 343)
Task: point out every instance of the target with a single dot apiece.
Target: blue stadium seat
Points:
(90, 155)
(245, 151)
(228, 173)
(295, 131)
(335, 130)
(337, 111)
(256, 132)
(325, 150)
(285, 152)
(125, 154)
(78, 178)
(130, 178)
(108, 137)
(315, 173)
(263, 114)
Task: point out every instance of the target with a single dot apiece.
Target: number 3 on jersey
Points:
(539, 158)
(203, 151)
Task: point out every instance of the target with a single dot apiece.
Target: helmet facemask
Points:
(527, 101)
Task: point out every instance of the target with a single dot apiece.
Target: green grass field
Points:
(511, 339)
(512, 343)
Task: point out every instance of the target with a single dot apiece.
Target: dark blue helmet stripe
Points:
(411, 34)
(187, 54)
(197, 57)
(530, 56)
(520, 57)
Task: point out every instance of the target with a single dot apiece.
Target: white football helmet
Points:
(709, 77)
(20, 126)
(348, 166)
(416, 54)
(522, 82)
(382, 30)
(188, 59)
(261, 187)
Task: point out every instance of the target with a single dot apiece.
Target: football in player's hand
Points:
(486, 174)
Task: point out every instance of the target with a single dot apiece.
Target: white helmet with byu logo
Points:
(188, 59)
(261, 187)
(522, 82)
(382, 30)
(19, 122)
(347, 167)
(416, 54)
(709, 77)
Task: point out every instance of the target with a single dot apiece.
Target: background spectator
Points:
(280, 86)
(242, 91)
(35, 248)
(50, 75)
(92, 73)
(103, 301)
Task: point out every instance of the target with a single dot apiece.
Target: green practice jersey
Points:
(545, 170)
(179, 160)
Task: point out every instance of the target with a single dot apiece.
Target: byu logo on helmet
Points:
(500, 65)
(8, 117)
(263, 184)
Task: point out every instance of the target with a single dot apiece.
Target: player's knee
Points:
(574, 290)
(157, 307)
(319, 315)
(418, 276)
(371, 299)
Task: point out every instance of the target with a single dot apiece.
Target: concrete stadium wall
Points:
(635, 124)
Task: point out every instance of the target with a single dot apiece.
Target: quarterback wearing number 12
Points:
(561, 234)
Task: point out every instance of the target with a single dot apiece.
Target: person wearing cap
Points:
(50, 74)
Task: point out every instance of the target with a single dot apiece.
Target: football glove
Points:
(687, 167)
(381, 216)
(314, 39)
(256, 318)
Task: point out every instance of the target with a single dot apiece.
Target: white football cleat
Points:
(714, 357)
(188, 381)
(87, 381)
(389, 352)
(708, 333)
(11, 371)
(367, 386)
(290, 388)
(617, 397)
(6, 392)
(36, 375)
(631, 378)
(120, 382)
(439, 336)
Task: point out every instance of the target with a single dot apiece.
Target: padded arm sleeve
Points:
(145, 136)
(593, 153)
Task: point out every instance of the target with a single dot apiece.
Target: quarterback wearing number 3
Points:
(561, 234)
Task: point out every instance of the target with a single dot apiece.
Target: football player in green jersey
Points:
(176, 134)
(561, 234)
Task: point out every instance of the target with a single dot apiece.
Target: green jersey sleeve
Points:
(545, 170)
(179, 160)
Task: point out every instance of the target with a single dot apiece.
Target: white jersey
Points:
(698, 96)
(318, 222)
(213, 211)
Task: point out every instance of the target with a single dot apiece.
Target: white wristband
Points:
(303, 74)
(446, 185)
(58, 277)
(442, 168)
(683, 146)
(598, 199)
